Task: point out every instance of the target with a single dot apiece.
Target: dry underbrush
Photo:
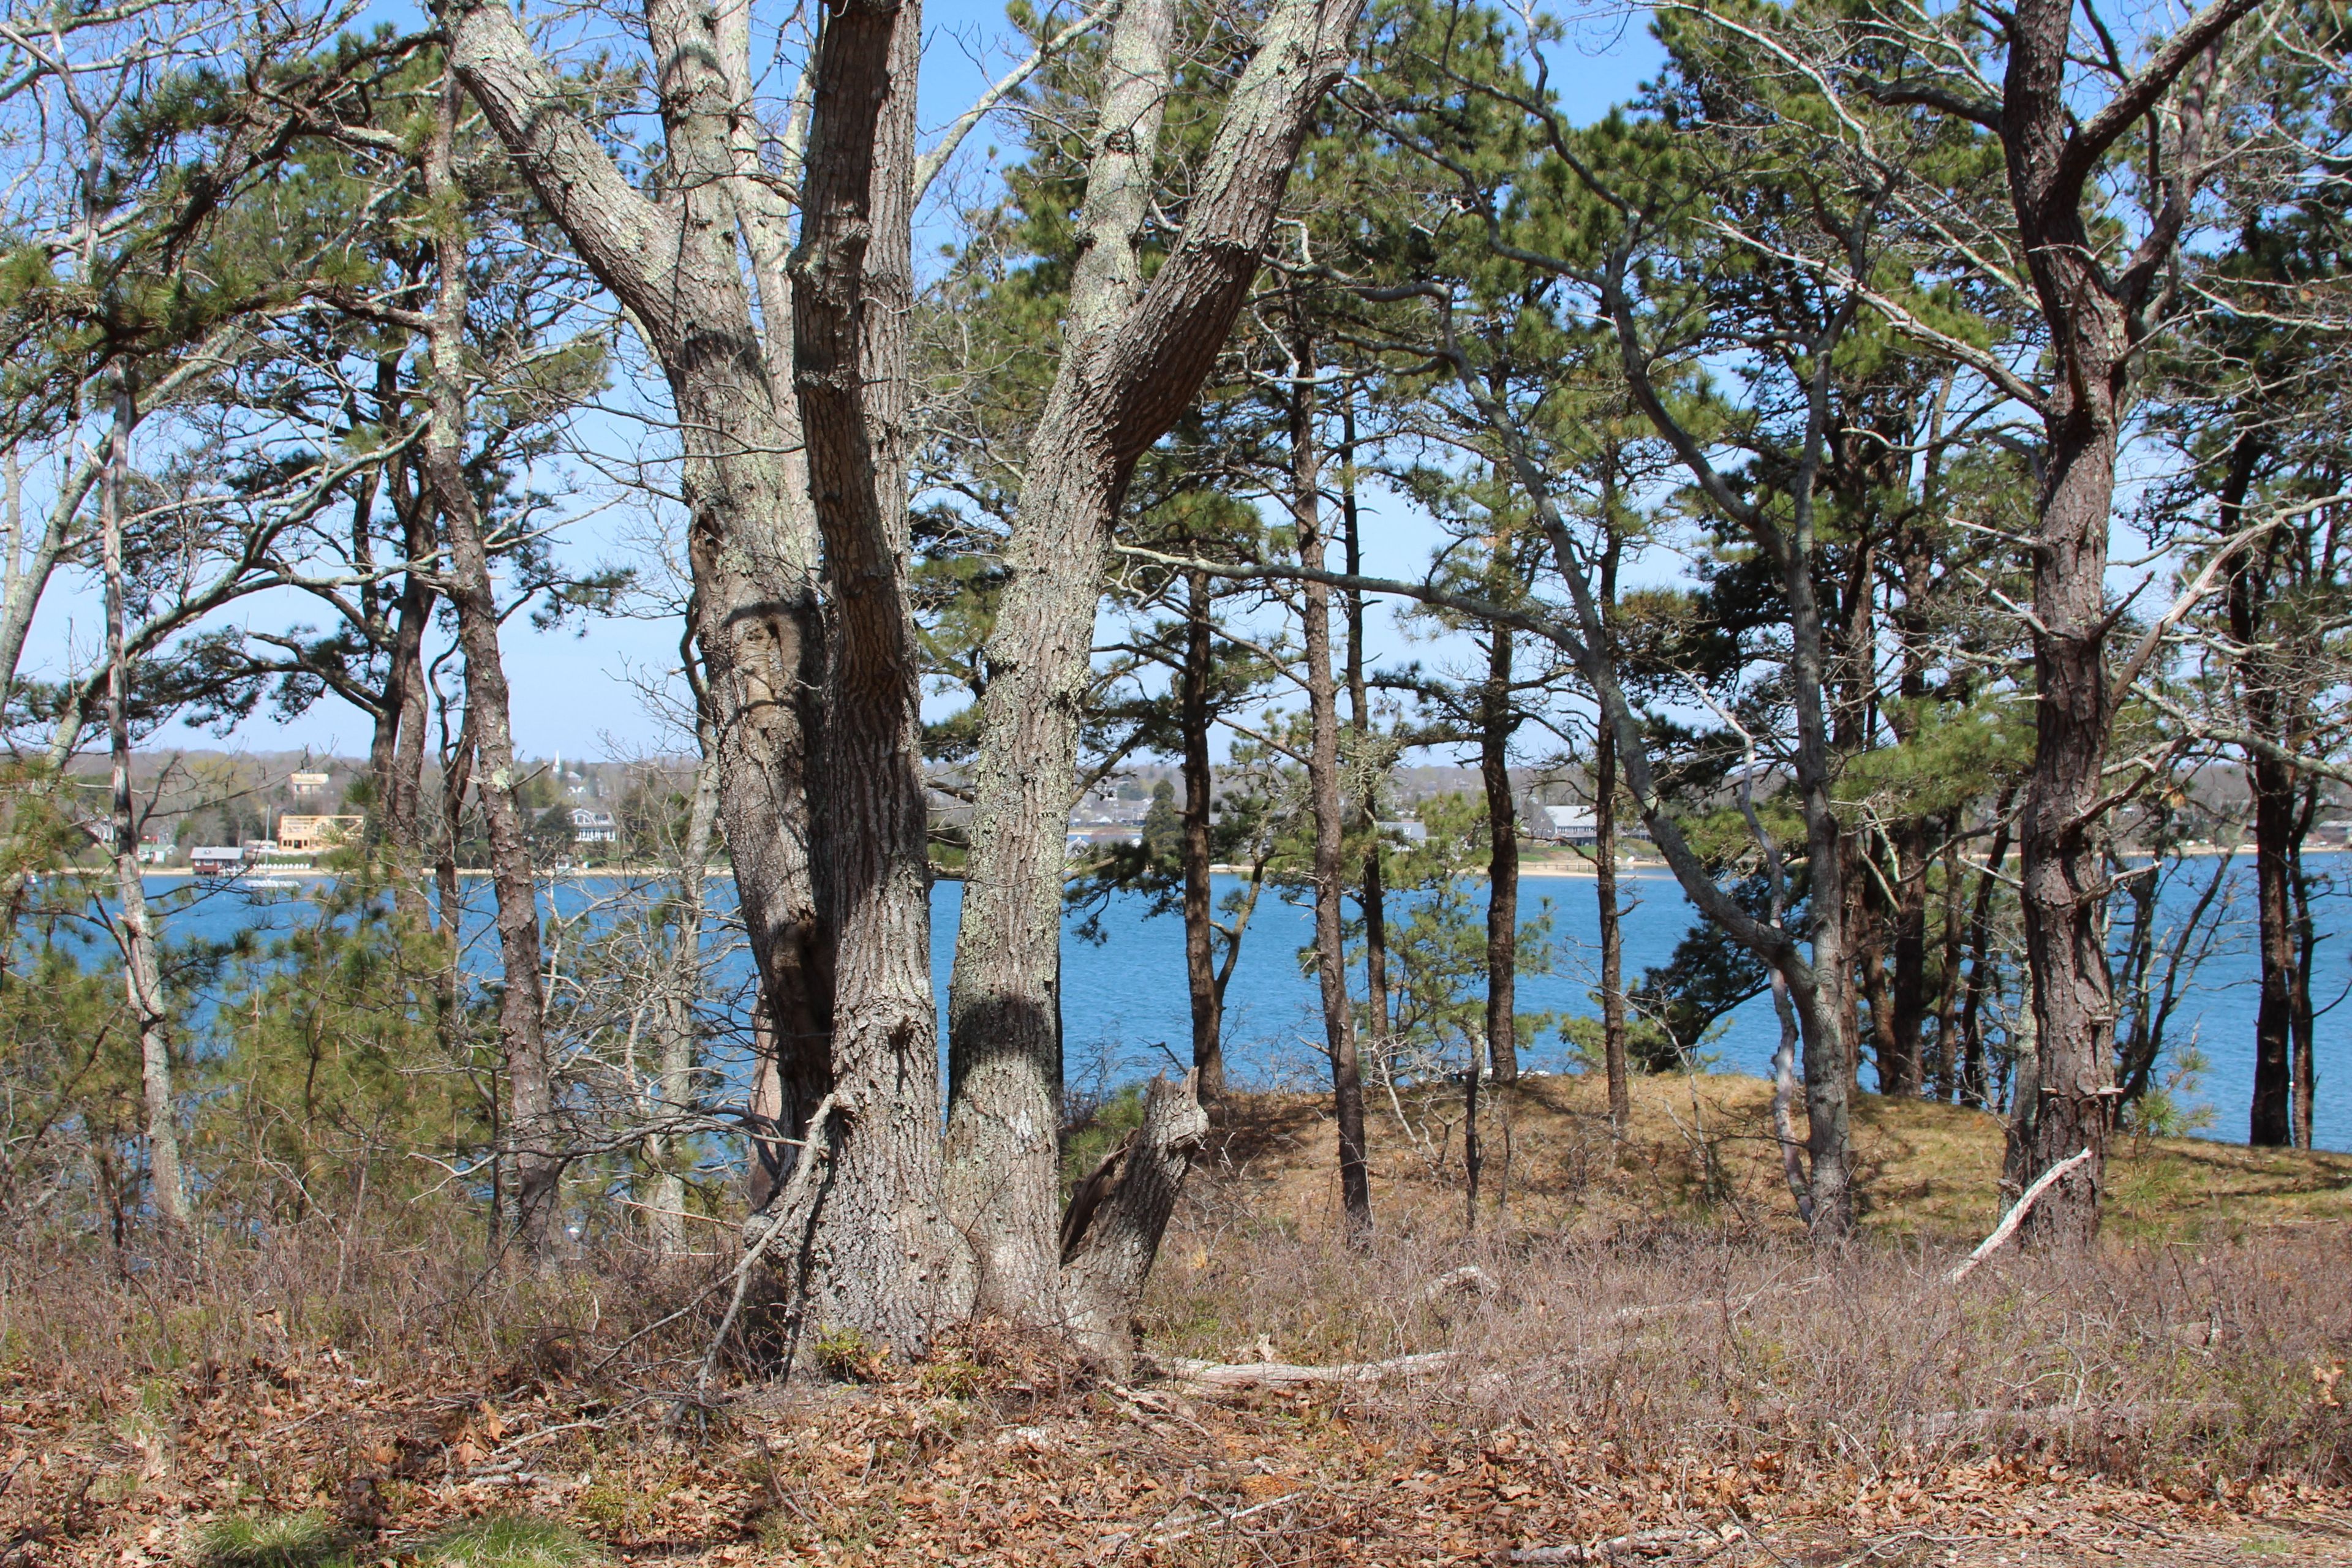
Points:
(1693, 1384)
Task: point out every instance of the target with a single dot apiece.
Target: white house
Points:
(593, 826)
(1566, 824)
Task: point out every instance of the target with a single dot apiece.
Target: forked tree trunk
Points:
(1134, 357)
(1004, 1004)
(142, 976)
(1330, 826)
(537, 1157)
(400, 784)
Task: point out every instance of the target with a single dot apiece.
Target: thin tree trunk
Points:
(142, 977)
(2307, 945)
(1323, 788)
(1907, 1005)
(1200, 910)
(1604, 859)
(537, 1156)
(1496, 722)
(1868, 933)
(400, 788)
(682, 988)
(1371, 896)
(2272, 784)
(1948, 999)
(1975, 1086)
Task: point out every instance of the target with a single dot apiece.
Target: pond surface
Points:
(1124, 998)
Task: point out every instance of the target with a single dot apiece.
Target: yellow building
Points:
(304, 835)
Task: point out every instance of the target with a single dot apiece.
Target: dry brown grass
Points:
(1658, 1353)
(1700, 1151)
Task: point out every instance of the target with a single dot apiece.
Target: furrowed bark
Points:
(143, 978)
(1135, 355)
(537, 1157)
(751, 541)
(1004, 1006)
(2096, 321)
(873, 1252)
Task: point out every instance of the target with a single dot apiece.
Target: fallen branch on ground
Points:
(1642, 1542)
(2015, 1216)
(1288, 1374)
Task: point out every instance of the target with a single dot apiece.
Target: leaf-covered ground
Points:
(989, 1454)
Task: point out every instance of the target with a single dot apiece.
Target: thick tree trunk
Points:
(1330, 826)
(872, 1252)
(751, 541)
(1004, 1006)
(537, 1157)
(1135, 354)
(143, 978)
(2096, 320)
(1200, 909)
(1496, 720)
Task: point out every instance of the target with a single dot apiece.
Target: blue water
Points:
(1125, 1011)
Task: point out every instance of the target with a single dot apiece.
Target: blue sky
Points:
(572, 691)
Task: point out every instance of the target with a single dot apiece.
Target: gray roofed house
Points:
(1566, 824)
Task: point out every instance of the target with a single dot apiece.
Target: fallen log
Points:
(1289, 1374)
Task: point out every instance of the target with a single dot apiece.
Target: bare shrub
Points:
(2167, 1362)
